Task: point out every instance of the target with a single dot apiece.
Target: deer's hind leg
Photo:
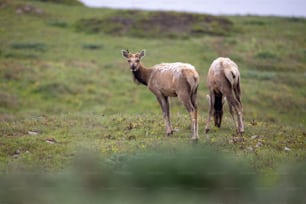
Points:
(236, 105)
(164, 104)
(194, 114)
(211, 102)
(237, 92)
(191, 106)
(230, 108)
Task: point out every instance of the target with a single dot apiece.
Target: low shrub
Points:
(36, 46)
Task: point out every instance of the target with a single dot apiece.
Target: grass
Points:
(63, 92)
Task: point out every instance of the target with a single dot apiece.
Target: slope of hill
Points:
(63, 88)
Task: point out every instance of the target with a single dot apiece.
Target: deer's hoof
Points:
(194, 140)
(206, 130)
(240, 132)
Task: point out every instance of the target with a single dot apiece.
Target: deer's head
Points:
(133, 59)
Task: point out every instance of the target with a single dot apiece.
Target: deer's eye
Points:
(137, 61)
(129, 61)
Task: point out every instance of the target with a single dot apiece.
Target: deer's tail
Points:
(232, 76)
(193, 80)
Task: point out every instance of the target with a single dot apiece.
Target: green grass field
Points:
(65, 88)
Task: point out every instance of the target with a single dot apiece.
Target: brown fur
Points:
(168, 80)
(224, 81)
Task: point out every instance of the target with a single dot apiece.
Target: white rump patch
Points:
(173, 67)
(223, 61)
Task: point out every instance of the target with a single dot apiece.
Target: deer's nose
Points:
(133, 67)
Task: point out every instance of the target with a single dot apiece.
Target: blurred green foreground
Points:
(193, 175)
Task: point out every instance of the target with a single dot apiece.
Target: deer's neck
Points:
(142, 75)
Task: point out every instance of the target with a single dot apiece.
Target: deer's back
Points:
(168, 77)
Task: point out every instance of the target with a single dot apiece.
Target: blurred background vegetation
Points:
(66, 90)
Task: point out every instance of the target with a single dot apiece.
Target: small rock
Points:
(51, 140)
(259, 144)
(237, 139)
(251, 149)
(254, 137)
(176, 130)
(32, 133)
(287, 149)
(16, 153)
(19, 11)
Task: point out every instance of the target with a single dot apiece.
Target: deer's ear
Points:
(125, 53)
(141, 53)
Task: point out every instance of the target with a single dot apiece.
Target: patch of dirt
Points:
(157, 24)
(29, 9)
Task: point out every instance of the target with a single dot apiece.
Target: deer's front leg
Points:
(194, 123)
(240, 120)
(164, 103)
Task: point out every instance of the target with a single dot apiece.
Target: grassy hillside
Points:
(66, 89)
